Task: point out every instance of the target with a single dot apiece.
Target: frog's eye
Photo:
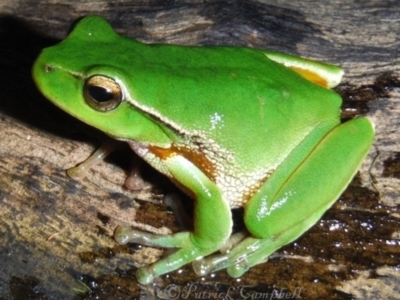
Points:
(102, 93)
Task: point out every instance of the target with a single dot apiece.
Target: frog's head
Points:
(80, 76)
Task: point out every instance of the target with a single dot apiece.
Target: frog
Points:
(231, 126)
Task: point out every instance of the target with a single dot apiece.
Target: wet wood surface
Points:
(56, 233)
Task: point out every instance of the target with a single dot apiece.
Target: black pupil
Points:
(100, 94)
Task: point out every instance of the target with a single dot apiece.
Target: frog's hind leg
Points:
(278, 216)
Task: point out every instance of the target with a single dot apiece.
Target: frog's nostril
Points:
(48, 68)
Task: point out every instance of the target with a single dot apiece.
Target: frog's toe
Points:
(210, 264)
(145, 275)
(122, 235)
(134, 182)
(234, 239)
(236, 265)
(200, 268)
(238, 269)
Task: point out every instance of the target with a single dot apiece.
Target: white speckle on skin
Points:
(264, 210)
(286, 94)
(216, 121)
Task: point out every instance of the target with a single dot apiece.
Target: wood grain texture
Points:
(56, 233)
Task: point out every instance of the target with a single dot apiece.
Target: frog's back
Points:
(235, 96)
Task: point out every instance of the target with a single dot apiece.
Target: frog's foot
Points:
(246, 252)
(132, 182)
(187, 253)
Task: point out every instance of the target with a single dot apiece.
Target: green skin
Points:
(232, 126)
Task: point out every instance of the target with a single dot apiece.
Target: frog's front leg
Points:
(133, 182)
(212, 223)
(289, 204)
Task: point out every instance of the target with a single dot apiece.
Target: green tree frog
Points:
(231, 126)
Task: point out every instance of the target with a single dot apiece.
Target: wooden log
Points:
(56, 233)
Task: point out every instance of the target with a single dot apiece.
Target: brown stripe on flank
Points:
(197, 158)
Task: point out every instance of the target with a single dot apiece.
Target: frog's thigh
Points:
(314, 186)
(277, 215)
